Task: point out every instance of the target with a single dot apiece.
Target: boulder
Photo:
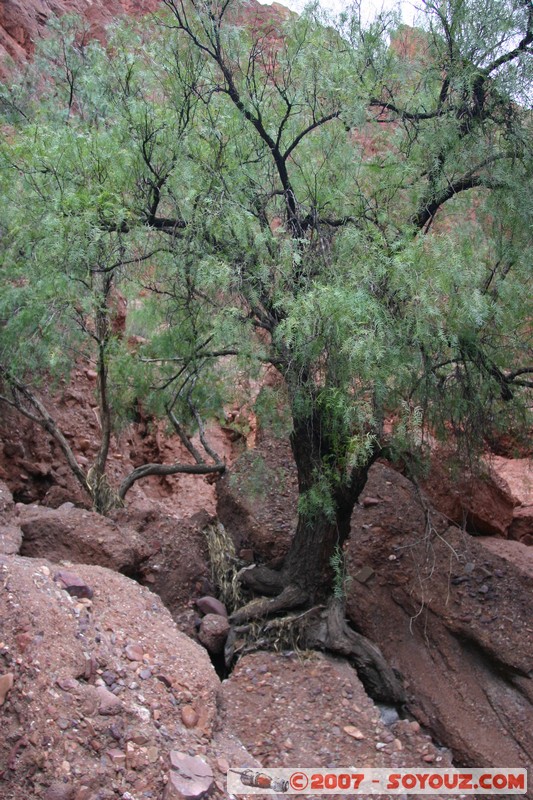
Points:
(521, 528)
(79, 536)
(291, 710)
(213, 632)
(453, 616)
(483, 502)
(76, 711)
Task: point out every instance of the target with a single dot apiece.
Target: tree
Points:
(352, 214)
(84, 178)
(396, 285)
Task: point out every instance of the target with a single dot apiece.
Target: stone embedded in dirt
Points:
(134, 652)
(210, 605)
(355, 733)
(67, 684)
(73, 584)
(388, 715)
(108, 703)
(117, 757)
(6, 498)
(368, 502)
(189, 716)
(363, 575)
(6, 684)
(190, 777)
(223, 765)
(59, 791)
(214, 632)
(109, 677)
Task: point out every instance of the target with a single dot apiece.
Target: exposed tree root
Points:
(332, 632)
(290, 597)
(322, 628)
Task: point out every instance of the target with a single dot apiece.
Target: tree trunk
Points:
(308, 577)
(320, 534)
(103, 496)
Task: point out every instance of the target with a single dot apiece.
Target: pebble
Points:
(210, 605)
(73, 584)
(67, 684)
(117, 757)
(189, 716)
(213, 632)
(355, 733)
(190, 777)
(223, 765)
(134, 652)
(367, 502)
(388, 715)
(6, 684)
(59, 791)
(108, 703)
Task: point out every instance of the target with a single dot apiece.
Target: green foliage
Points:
(317, 503)
(254, 478)
(272, 412)
(356, 216)
(340, 576)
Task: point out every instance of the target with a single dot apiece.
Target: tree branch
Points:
(427, 211)
(41, 417)
(315, 124)
(167, 469)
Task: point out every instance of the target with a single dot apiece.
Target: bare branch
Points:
(24, 401)
(185, 439)
(167, 469)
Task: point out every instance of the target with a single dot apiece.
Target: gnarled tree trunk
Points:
(307, 578)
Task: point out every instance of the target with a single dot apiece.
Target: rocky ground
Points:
(102, 695)
(106, 686)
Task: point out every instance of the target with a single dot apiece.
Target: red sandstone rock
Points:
(210, 605)
(73, 584)
(190, 777)
(213, 632)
